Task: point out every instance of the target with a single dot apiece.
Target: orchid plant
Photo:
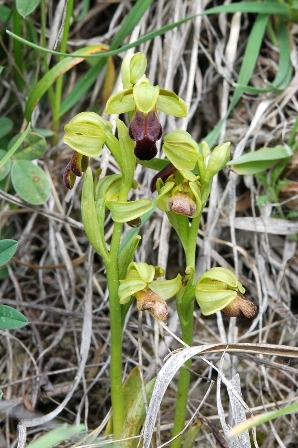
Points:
(183, 187)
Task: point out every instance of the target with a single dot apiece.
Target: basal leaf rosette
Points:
(218, 289)
(151, 294)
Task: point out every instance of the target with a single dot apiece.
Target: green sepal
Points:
(125, 71)
(212, 301)
(204, 153)
(145, 96)
(146, 272)
(196, 192)
(171, 104)
(181, 150)
(120, 102)
(220, 276)
(137, 67)
(218, 159)
(166, 289)
(127, 152)
(127, 211)
(86, 133)
(93, 216)
(133, 68)
(107, 188)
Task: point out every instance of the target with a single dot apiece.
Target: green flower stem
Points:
(187, 323)
(59, 83)
(112, 270)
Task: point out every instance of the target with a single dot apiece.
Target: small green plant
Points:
(182, 186)
(28, 179)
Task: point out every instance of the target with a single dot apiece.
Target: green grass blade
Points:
(50, 77)
(249, 61)
(269, 7)
(263, 418)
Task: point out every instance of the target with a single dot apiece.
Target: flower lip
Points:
(145, 130)
(163, 174)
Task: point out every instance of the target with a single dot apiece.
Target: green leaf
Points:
(250, 57)
(26, 7)
(58, 70)
(258, 161)
(30, 182)
(33, 147)
(10, 318)
(7, 250)
(4, 169)
(56, 436)
(136, 414)
(263, 418)
(6, 125)
(13, 149)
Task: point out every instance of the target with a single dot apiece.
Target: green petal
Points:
(120, 102)
(166, 289)
(145, 271)
(171, 104)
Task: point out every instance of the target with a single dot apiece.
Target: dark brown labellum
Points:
(163, 174)
(145, 130)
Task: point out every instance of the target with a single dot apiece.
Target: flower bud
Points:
(147, 300)
(218, 159)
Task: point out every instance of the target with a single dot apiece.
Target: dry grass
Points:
(52, 279)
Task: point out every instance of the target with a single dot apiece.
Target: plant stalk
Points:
(187, 324)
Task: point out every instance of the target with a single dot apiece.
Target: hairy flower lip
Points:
(147, 300)
(145, 130)
(182, 204)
